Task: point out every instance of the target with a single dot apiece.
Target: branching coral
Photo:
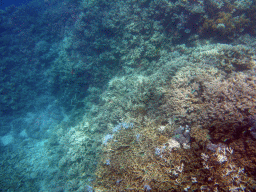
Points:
(207, 99)
(147, 164)
(213, 104)
(226, 25)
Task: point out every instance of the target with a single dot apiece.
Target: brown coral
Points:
(225, 24)
(219, 105)
(130, 164)
(205, 100)
(200, 135)
(216, 106)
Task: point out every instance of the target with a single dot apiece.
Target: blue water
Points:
(16, 3)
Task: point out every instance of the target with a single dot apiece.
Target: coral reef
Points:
(155, 163)
(128, 95)
(226, 25)
(199, 142)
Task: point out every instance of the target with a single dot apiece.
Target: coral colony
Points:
(128, 95)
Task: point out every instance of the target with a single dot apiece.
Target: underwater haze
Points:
(7, 3)
(127, 95)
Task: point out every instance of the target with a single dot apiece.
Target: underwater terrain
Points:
(128, 95)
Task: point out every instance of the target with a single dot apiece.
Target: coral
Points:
(252, 122)
(197, 137)
(7, 139)
(167, 167)
(226, 19)
(226, 25)
(200, 135)
(237, 58)
(207, 99)
(226, 172)
(146, 89)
